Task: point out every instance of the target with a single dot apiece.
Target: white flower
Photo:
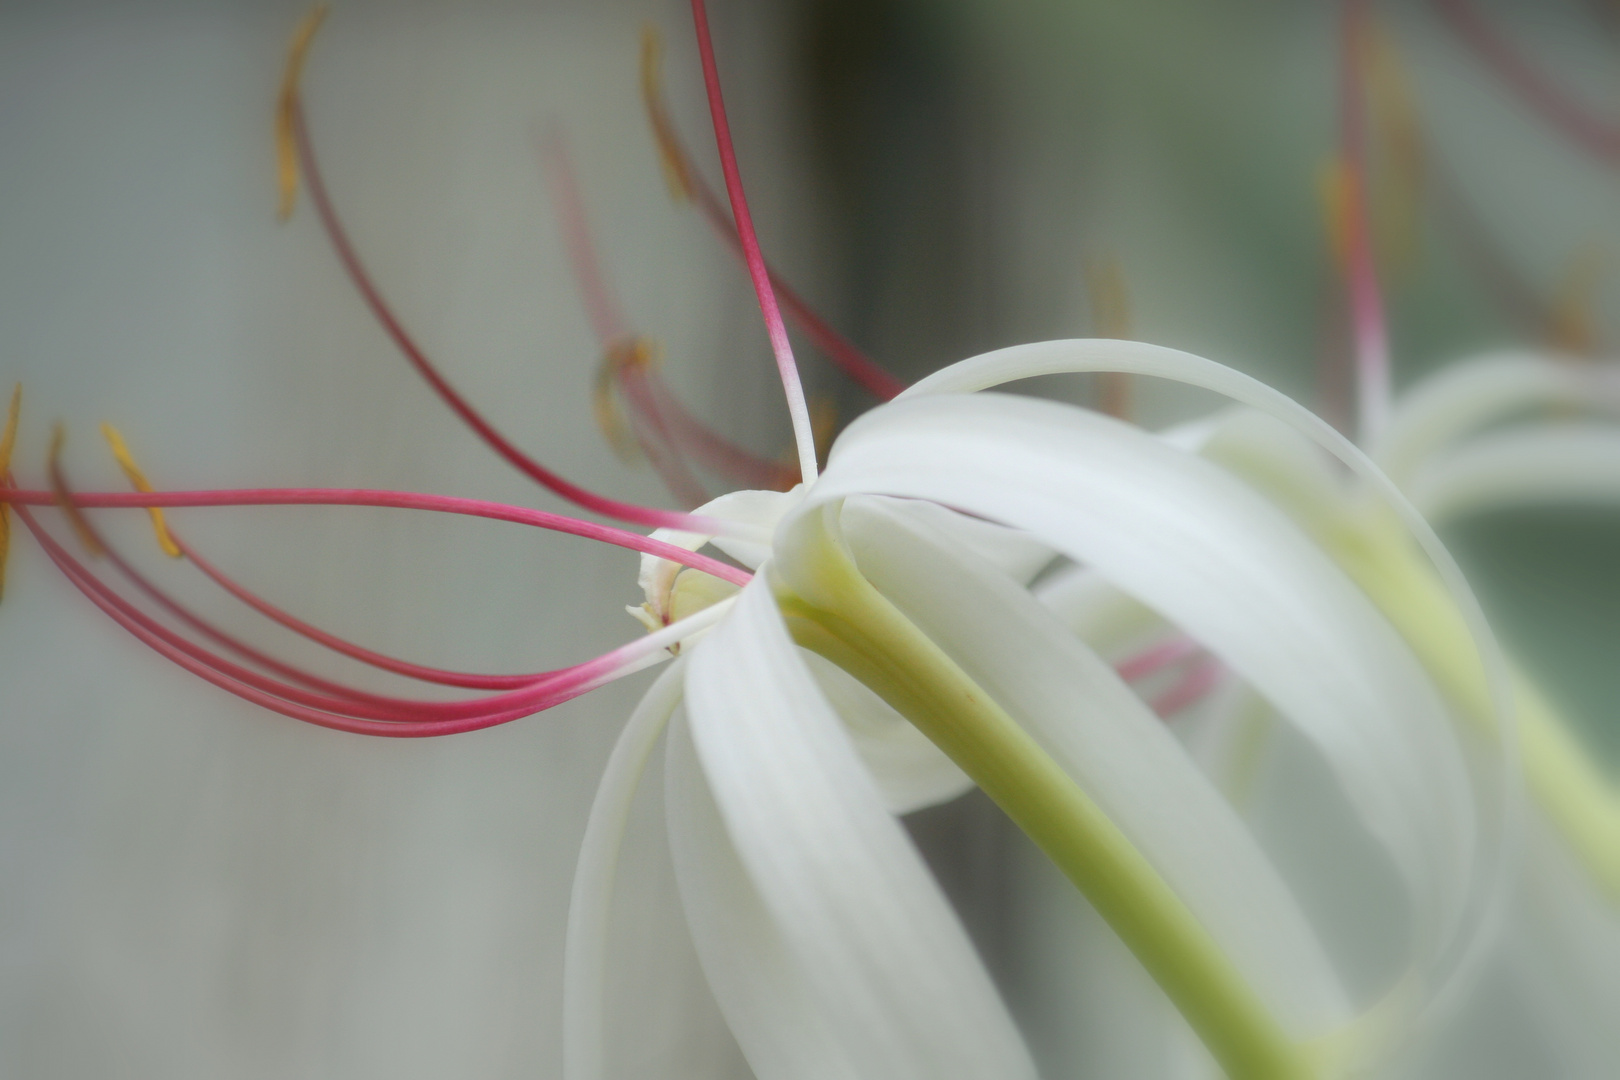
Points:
(828, 949)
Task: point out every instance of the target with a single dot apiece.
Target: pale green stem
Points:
(857, 628)
(1561, 776)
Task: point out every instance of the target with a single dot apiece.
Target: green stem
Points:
(857, 628)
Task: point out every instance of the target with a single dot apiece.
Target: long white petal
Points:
(911, 772)
(1574, 463)
(1104, 737)
(880, 963)
(586, 948)
(1468, 396)
(1568, 939)
(1499, 777)
(1194, 543)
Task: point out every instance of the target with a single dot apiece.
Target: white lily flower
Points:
(828, 947)
(786, 851)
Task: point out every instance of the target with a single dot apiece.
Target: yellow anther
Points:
(1110, 318)
(823, 424)
(621, 355)
(8, 439)
(286, 108)
(75, 516)
(137, 479)
(677, 171)
(1334, 182)
(1398, 183)
(1571, 325)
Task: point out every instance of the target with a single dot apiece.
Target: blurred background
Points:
(190, 887)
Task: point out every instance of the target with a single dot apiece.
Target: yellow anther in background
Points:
(677, 171)
(8, 439)
(621, 354)
(823, 424)
(1571, 324)
(75, 516)
(126, 461)
(286, 107)
(1334, 182)
(1110, 318)
(1399, 165)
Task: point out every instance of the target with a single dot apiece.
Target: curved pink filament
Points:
(1156, 658)
(677, 432)
(1193, 685)
(398, 500)
(798, 408)
(1366, 301)
(658, 442)
(350, 258)
(440, 676)
(403, 728)
(1594, 134)
(353, 711)
(645, 391)
(865, 371)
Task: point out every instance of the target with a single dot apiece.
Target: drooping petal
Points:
(1100, 733)
(1191, 541)
(586, 949)
(829, 947)
(1469, 396)
(1573, 463)
(1567, 939)
(911, 772)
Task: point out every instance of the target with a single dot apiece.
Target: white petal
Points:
(1194, 543)
(1568, 951)
(1465, 397)
(760, 510)
(1097, 611)
(1104, 737)
(1012, 552)
(879, 962)
(910, 771)
(1574, 463)
(1498, 776)
(586, 950)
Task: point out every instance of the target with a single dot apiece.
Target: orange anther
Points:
(286, 108)
(137, 479)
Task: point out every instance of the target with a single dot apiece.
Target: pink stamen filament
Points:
(1156, 658)
(601, 304)
(798, 408)
(399, 500)
(844, 353)
(1195, 683)
(355, 710)
(1595, 135)
(350, 259)
(1366, 301)
(440, 676)
(645, 391)
(667, 432)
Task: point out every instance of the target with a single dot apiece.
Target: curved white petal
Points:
(1499, 777)
(1568, 939)
(755, 512)
(1572, 463)
(911, 772)
(585, 952)
(1196, 544)
(1104, 737)
(1468, 396)
(1096, 610)
(867, 971)
(1473, 394)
